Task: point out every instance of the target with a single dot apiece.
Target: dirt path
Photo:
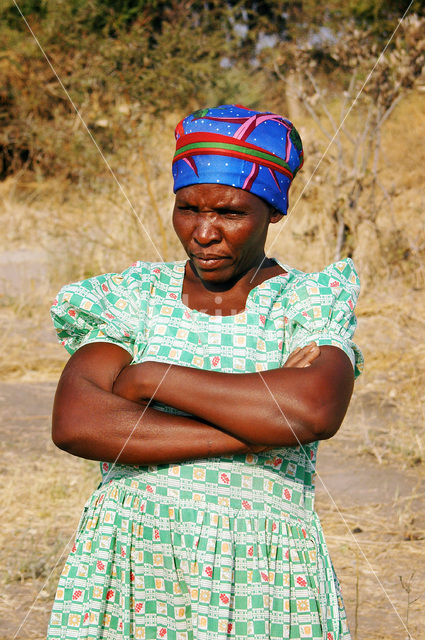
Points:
(373, 516)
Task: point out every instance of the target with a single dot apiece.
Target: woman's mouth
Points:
(209, 261)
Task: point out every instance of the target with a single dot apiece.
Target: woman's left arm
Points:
(279, 407)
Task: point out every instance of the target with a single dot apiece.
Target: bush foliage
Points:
(122, 59)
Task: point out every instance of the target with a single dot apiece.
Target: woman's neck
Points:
(228, 298)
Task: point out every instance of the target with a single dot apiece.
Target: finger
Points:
(309, 356)
(305, 356)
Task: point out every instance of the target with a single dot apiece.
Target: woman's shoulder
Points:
(120, 289)
(139, 273)
(335, 278)
(320, 306)
(108, 307)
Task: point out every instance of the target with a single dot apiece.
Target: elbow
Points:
(325, 418)
(62, 435)
(67, 434)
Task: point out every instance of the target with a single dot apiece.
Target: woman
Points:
(205, 528)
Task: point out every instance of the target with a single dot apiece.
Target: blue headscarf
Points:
(260, 152)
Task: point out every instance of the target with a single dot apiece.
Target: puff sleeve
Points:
(105, 308)
(321, 308)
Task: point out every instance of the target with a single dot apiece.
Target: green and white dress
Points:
(226, 547)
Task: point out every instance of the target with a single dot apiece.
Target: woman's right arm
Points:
(92, 422)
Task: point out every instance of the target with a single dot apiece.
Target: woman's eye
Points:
(234, 214)
(184, 209)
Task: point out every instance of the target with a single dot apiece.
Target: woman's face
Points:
(222, 229)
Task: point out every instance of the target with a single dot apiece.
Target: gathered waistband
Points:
(264, 492)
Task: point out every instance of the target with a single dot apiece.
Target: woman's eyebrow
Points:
(233, 209)
(186, 205)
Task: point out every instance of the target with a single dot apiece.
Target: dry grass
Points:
(42, 493)
(370, 563)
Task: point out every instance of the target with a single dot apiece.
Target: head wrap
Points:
(257, 151)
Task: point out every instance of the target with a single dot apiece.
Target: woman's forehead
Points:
(218, 195)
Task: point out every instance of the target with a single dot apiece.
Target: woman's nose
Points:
(206, 230)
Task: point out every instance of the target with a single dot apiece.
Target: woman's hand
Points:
(303, 357)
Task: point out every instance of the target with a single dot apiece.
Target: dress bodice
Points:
(143, 311)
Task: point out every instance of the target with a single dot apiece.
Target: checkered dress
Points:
(208, 549)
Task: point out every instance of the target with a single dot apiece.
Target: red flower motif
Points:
(334, 283)
(162, 632)
(71, 312)
(311, 454)
(105, 287)
(77, 594)
(110, 594)
(274, 526)
(209, 571)
(277, 462)
(173, 296)
(55, 302)
(224, 598)
(132, 576)
(251, 551)
(246, 505)
(303, 531)
(74, 548)
(123, 554)
(100, 565)
(138, 607)
(280, 345)
(225, 478)
(264, 576)
(263, 319)
(215, 361)
(86, 617)
(187, 315)
(287, 494)
(149, 488)
(229, 627)
(330, 636)
(301, 581)
(156, 271)
(304, 313)
(156, 534)
(105, 466)
(287, 554)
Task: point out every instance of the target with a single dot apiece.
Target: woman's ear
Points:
(274, 215)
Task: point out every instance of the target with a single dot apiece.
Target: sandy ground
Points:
(373, 517)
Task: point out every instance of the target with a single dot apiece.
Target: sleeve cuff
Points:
(321, 339)
(95, 335)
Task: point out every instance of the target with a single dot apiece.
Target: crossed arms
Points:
(101, 406)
